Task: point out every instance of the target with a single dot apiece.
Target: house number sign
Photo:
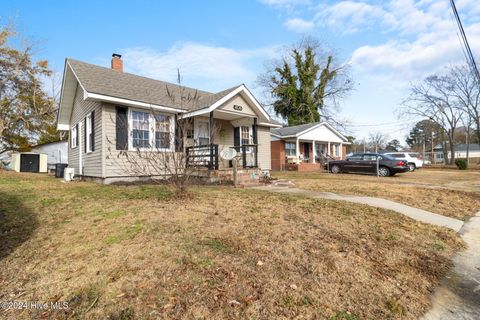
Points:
(237, 107)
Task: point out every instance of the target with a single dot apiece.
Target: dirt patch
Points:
(128, 252)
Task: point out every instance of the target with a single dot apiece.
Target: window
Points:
(336, 150)
(398, 155)
(140, 129)
(74, 137)
(355, 157)
(245, 135)
(290, 149)
(89, 133)
(162, 131)
(369, 157)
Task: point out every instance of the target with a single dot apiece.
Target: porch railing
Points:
(248, 155)
(203, 156)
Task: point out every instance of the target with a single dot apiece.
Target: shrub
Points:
(461, 164)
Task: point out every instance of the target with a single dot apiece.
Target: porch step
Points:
(244, 176)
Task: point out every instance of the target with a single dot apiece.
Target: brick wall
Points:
(277, 155)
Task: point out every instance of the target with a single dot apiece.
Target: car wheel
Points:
(335, 169)
(411, 167)
(383, 172)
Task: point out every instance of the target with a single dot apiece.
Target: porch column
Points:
(255, 140)
(314, 151)
(328, 148)
(297, 150)
(212, 128)
(341, 151)
(211, 165)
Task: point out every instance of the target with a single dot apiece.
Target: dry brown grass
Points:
(453, 193)
(132, 252)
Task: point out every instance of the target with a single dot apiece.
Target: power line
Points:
(470, 58)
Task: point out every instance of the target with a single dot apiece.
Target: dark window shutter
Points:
(121, 128)
(85, 135)
(92, 138)
(236, 136)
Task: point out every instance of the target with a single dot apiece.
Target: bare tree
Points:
(377, 141)
(163, 156)
(435, 100)
(466, 89)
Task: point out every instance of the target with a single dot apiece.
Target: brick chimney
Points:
(117, 63)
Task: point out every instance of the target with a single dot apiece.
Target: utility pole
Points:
(424, 140)
(431, 151)
(364, 145)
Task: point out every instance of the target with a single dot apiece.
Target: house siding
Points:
(264, 155)
(92, 161)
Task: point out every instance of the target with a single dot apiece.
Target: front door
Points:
(306, 151)
(29, 162)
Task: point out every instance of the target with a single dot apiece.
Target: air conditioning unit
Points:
(68, 174)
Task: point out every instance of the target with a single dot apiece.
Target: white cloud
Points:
(299, 25)
(286, 4)
(203, 66)
(349, 16)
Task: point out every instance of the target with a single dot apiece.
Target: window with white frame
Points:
(74, 137)
(336, 150)
(140, 129)
(290, 149)
(246, 137)
(162, 131)
(89, 132)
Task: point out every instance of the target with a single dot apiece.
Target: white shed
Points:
(29, 162)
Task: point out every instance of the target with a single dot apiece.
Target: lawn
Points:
(134, 252)
(452, 193)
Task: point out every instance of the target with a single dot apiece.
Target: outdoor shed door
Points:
(29, 162)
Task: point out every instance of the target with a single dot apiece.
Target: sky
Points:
(216, 44)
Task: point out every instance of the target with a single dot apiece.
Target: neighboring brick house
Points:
(305, 146)
(96, 100)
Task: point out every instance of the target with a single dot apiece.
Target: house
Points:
(110, 113)
(460, 152)
(57, 152)
(303, 147)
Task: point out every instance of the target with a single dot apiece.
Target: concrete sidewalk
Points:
(414, 213)
(458, 296)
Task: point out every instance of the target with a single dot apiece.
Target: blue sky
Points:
(217, 44)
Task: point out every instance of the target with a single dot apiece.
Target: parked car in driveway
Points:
(367, 163)
(413, 159)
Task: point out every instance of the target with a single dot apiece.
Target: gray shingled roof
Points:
(105, 81)
(294, 130)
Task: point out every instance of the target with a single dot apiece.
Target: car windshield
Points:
(413, 155)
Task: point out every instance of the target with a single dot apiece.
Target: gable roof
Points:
(296, 131)
(105, 84)
(105, 81)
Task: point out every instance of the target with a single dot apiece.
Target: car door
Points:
(352, 164)
(368, 164)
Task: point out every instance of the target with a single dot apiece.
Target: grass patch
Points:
(450, 193)
(135, 252)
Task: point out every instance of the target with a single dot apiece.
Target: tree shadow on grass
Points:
(17, 223)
